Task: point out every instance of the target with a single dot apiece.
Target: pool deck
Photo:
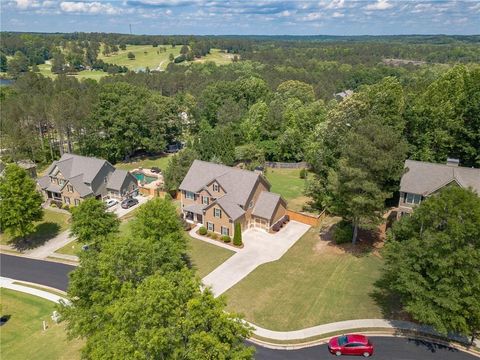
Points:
(147, 172)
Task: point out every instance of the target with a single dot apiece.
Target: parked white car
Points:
(111, 202)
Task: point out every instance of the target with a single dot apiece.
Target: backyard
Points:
(52, 224)
(287, 183)
(160, 161)
(22, 336)
(317, 281)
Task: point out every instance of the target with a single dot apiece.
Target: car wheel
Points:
(338, 353)
(366, 354)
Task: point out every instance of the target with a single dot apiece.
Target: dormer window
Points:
(217, 213)
(215, 187)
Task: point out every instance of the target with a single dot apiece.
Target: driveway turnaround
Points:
(260, 247)
(117, 209)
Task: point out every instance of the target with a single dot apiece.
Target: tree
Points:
(3, 62)
(184, 50)
(296, 89)
(237, 235)
(432, 259)
(17, 65)
(92, 223)
(131, 55)
(177, 168)
(216, 143)
(20, 203)
(123, 47)
(171, 57)
(58, 63)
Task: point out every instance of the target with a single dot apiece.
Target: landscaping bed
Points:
(23, 336)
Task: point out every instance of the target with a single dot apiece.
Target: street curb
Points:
(321, 341)
(48, 258)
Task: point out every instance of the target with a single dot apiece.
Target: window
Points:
(77, 202)
(215, 187)
(217, 213)
(250, 205)
(67, 200)
(189, 195)
(210, 226)
(225, 231)
(69, 188)
(413, 198)
(205, 200)
(105, 179)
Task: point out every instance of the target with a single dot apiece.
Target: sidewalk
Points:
(9, 284)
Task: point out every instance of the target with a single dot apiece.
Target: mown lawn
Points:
(52, 224)
(216, 56)
(147, 163)
(46, 70)
(22, 336)
(314, 283)
(287, 183)
(206, 257)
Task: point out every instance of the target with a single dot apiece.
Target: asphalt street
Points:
(386, 348)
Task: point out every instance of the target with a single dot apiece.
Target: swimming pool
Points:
(141, 177)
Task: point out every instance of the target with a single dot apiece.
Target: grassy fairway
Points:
(314, 283)
(45, 70)
(287, 183)
(206, 257)
(147, 163)
(145, 56)
(52, 224)
(216, 56)
(22, 337)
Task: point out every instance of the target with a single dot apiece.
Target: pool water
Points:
(141, 177)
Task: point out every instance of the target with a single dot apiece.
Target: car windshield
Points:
(342, 340)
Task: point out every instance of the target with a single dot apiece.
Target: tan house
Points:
(74, 177)
(219, 196)
(422, 179)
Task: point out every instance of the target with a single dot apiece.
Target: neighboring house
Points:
(29, 166)
(74, 177)
(422, 179)
(219, 196)
(343, 94)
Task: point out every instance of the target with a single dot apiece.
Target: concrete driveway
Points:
(117, 209)
(259, 248)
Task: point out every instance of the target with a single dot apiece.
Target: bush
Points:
(303, 174)
(237, 236)
(202, 230)
(65, 207)
(53, 205)
(226, 239)
(214, 236)
(343, 232)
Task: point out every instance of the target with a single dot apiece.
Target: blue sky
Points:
(266, 17)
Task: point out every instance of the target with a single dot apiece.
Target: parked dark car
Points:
(155, 170)
(353, 344)
(128, 203)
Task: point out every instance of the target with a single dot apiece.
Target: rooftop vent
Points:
(453, 162)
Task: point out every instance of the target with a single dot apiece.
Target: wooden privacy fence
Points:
(285, 165)
(309, 219)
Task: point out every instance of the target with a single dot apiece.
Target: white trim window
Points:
(210, 226)
(217, 213)
(70, 188)
(66, 199)
(77, 202)
(413, 198)
(189, 195)
(215, 187)
(205, 200)
(225, 231)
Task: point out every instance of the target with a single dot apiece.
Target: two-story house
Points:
(422, 179)
(74, 177)
(219, 196)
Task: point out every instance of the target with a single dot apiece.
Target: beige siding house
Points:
(219, 196)
(74, 177)
(422, 179)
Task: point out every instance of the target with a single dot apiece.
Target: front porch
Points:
(193, 213)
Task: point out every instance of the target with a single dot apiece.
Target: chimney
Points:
(453, 162)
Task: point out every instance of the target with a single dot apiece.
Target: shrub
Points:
(202, 230)
(65, 207)
(226, 239)
(53, 205)
(343, 232)
(303, 174)
(237, 236)
(214, 236)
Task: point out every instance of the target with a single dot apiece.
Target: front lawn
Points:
(206, 257)
(315, 282)
(287, 183)
(22, 336)
(52, 224)
(147, 163)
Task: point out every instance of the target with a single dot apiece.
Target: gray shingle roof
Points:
(423, 178)
(266, 204)
(195, 208)
(44, 181)
(233, 210)
(116, 179)
(79, 185)
(71, 165)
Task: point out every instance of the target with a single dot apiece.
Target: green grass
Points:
(145, 56)
(287, 183)
(206, 257)
(147, 163)
(45, 70)
(22, 336)
(314, 283)
(72, 248)
(217, 56)
(52, 224)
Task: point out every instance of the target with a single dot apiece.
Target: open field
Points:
(287, 183)
(217, 56)
(318, 282)
(22, 336)
(45, 70)
(145, 56)
(52, 224)
(146, 163)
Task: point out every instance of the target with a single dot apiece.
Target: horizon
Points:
(244, 18)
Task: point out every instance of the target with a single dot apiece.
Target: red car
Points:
(350, 345)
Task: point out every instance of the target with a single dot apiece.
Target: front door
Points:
(200, 219)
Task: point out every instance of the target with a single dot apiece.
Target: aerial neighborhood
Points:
(240, 195)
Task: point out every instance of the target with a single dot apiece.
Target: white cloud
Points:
(89, 7)
(336, 4)
(337, 14)
(285, 13)
(25, 4)
(312, 17)
(379, 5)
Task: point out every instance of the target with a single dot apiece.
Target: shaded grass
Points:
(146, 163)
(52, 224)
(311, 284)
(287, 183)
(23, 336)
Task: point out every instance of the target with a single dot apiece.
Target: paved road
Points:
(387, 348)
